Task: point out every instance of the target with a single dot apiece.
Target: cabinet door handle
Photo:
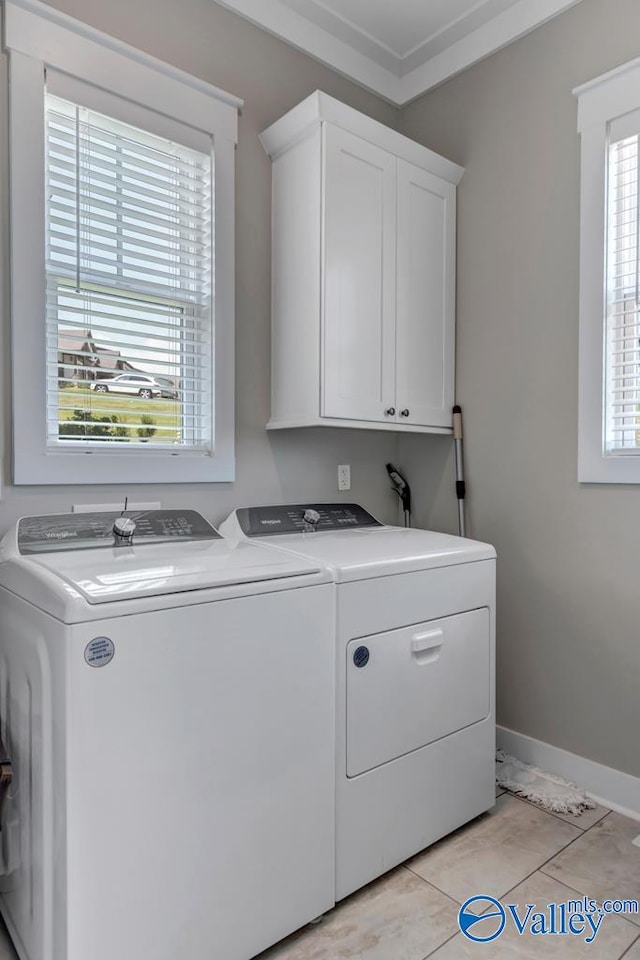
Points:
(405, 412)
(390, 412)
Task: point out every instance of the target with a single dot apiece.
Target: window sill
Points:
(610, 469)
(91, 467)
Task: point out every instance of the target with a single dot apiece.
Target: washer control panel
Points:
(83, 531)
(303, 518)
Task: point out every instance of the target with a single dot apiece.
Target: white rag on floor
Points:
(548, 791)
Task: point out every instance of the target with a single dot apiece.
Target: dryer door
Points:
(411, 686)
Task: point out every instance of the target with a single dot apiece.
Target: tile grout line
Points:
(429, 883)
(584, 833)
(447, 895)
(454, 935)
(551, 813)
(535, 870)
(620, 916)
(566, 885)
(523, 880)
(627, 951)
(539, 869)
(445, 942)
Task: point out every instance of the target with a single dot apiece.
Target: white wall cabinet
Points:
(363, 302)
(358, 315)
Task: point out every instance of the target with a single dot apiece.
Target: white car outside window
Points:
(145, 387)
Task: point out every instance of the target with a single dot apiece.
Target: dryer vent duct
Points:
(400, 486)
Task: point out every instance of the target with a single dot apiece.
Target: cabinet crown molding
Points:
(302, 120)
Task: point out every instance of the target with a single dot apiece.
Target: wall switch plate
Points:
(344, 477)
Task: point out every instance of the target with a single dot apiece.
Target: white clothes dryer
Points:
(415, 665)
(167, 698)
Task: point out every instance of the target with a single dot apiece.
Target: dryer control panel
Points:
(302, 518)
(83, 531)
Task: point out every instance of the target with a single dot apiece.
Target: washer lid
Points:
(358, 549)
(383, 551)
(65, 582)
(129, 572)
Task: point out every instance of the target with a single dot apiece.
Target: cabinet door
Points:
(426, 298)
(358, 347)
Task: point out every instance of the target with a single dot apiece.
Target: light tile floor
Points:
(496, 852)
(634, 952)
(516, 849)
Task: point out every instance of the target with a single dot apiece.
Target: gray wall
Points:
(212, 43)
(569, 554)
(569, 650)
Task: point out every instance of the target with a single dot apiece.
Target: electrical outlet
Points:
(344, 477)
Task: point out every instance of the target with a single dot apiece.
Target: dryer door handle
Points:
(425, 647)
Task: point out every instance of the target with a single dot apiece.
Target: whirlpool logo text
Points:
(483, 919)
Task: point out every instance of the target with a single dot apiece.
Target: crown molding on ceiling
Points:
(393, 84)
(284, 23)
(515, 22)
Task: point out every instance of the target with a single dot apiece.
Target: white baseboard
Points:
(612, 788)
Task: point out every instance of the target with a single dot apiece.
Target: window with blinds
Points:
(622, 373)
(129, 319)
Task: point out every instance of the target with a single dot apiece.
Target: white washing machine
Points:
(415, 664)
(167, 698)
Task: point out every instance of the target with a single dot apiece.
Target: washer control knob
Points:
(124, 528)
(311, 517)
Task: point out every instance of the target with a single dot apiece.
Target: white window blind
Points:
(129, 321)
(622, 340)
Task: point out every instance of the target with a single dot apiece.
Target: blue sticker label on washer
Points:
(99, 652)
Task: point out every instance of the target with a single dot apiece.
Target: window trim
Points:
(37, 37)
(600, 102)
